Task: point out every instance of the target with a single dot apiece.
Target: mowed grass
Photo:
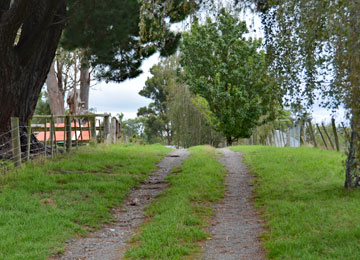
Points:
(44, 204)
(309, 214)
(178, 216)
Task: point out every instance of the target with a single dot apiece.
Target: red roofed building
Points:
(83, 135)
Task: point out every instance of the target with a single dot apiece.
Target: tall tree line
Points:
(176, 116)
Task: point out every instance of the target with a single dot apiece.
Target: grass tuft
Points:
(179, 215)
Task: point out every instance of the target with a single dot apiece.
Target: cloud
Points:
(322, 115)
(122, 97)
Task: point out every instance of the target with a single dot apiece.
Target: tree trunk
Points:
(168, 137)
(24, 65)
(350, 162)
(229, 141)
(302, 131)
(85, 86)
(353, 161)
(56, 95)
(352, 175)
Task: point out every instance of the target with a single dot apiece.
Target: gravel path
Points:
(109, 243)
(235, 226)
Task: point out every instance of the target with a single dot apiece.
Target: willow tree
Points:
(192, 122)
(229, 71)
(157, 122)
(313, 49)
(175, 114)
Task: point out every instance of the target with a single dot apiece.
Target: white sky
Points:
(124, 98)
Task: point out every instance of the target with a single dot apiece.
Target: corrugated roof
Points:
(84, 136)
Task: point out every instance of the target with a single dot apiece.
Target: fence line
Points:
(76, 130)
(328, 137)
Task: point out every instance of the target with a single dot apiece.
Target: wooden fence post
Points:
(81, 134)
(68, 133)
(120, 129)
(106, 127)
(312, 134)
(99, 133)
(117, 129)
(93, 129)
(302, 132)
(76, 136)
(335, 134)
(328, 136)
(322, 137)
(52, 136)
(54, 132)
(15, 136)
(28, 141)
(45, 137)
(113, 130)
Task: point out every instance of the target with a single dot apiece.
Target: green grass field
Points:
(178, 216)
(309, 214)
(46, 203)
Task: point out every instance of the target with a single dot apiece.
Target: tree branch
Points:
(62, 21)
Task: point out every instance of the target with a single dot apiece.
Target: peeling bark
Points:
(85, 86)
(56, 94)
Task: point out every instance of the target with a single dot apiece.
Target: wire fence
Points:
(302, 132)
(46, 138)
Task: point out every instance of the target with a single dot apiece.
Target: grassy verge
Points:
(179, 215)
(309, 213)
(44, 204)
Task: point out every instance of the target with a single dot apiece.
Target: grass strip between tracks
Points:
(178, 217)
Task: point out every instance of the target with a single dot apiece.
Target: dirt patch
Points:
(103, 172)
(109, 243)
(48, 202)
(235, 227)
